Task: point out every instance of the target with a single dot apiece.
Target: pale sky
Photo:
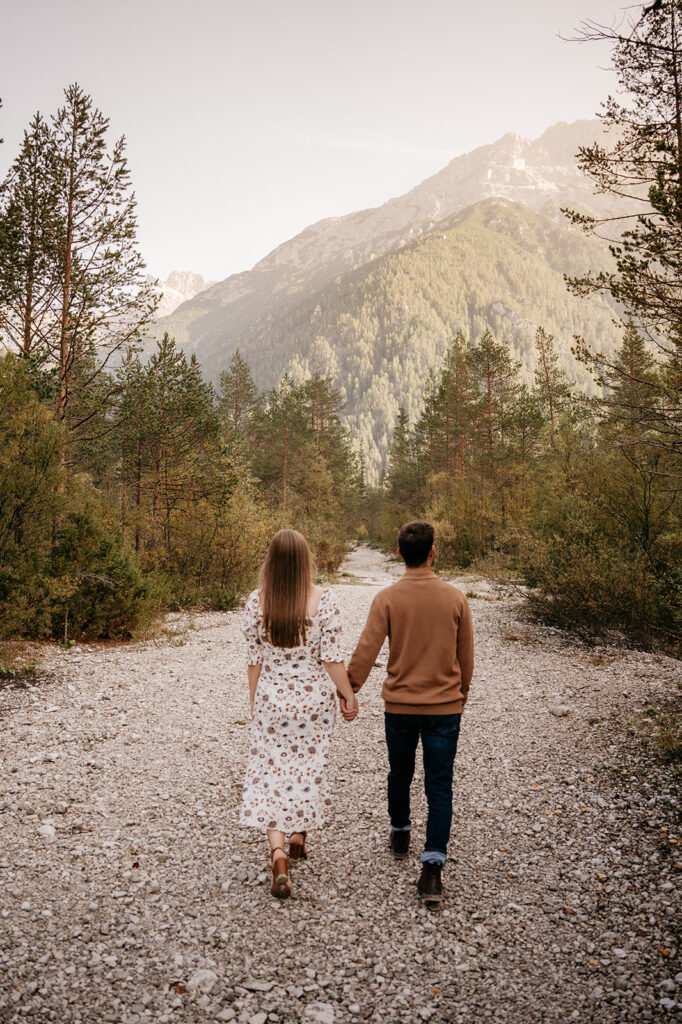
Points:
(247, 120)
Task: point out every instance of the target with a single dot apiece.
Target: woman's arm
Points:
(339, 677)
(253, 672)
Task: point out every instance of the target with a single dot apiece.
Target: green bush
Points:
(106, 596)
(585, 577)
(223, 599)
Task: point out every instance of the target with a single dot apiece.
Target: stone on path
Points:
(202, 981)
(319, 1013)
(259, 986)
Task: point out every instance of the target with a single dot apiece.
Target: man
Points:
(430, 664)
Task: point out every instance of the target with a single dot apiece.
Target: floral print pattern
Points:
(293, 718)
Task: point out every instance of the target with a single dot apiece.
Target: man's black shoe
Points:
(430, 886)
(400, 844)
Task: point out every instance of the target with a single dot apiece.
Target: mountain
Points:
(179, 287)
(380, 329)
(465, 249)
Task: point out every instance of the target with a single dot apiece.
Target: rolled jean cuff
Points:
(433, 857)
(404, 828)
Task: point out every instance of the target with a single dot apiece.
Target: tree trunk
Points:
(64, 347)
(678, 98)
(28, 305)
(138, 498)
(284, 475)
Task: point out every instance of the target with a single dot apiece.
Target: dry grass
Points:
(603, 659)
(519, 638)
(16, 661)
(664, 728)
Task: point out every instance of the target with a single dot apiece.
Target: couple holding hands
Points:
(295, 672)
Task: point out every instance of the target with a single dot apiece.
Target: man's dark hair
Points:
(415, 540)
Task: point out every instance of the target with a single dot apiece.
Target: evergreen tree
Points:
(455, 410)
(551, 384)
(103, 301)
(28, 214)
(526, 427)
(322, 406)
(281, 435)
(644, 164)
(237, 397)
(134, 438)
(401, 471)
(497, 379)
(168, 437)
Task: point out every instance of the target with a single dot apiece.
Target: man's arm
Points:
(369, 644)
(465, 648)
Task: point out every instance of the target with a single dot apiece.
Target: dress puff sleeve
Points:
(251, 618)
(330, 629)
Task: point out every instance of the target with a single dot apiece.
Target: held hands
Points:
(349, 707)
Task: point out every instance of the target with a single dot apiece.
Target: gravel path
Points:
(129, 894)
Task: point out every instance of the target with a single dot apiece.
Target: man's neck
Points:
(418, 570)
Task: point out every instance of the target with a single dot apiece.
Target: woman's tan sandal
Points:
(297, 848)
(281, 883)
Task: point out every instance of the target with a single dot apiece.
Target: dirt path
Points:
(129, 894)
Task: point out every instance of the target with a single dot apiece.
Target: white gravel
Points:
(129, 894)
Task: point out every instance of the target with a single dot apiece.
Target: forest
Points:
(577, 495)
(129, 485)
(379, 330)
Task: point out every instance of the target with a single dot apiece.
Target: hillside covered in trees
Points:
(381, 330)
(353, 295)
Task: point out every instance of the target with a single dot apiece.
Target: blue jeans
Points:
(439, 735)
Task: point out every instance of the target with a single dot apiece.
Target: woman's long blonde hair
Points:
(285, 579)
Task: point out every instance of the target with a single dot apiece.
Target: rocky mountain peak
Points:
(180, 286)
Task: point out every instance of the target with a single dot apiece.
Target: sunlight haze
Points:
(248, 121)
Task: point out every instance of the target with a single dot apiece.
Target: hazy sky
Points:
(247, 120)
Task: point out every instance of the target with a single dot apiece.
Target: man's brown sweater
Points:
(430, 643)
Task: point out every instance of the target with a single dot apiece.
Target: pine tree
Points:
(281, 434)
(644, 164)
(104, 302)
(641, 494)
(133, 436)
(526, 427)
(401, 470)
(455, 410)
(168, 423)
(497, 379)
(322, 407)
(631, 388)
(237, 398)
(28, 213)
(551, 384)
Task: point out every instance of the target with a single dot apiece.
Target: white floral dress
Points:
(293, 718)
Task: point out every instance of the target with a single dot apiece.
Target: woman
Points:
(295, 670)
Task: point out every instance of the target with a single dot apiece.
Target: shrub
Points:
(587, 578)
(105, 595)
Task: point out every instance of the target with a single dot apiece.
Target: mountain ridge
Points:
(180, 286)
(380, 329)
(332, 296)
(510, 167)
